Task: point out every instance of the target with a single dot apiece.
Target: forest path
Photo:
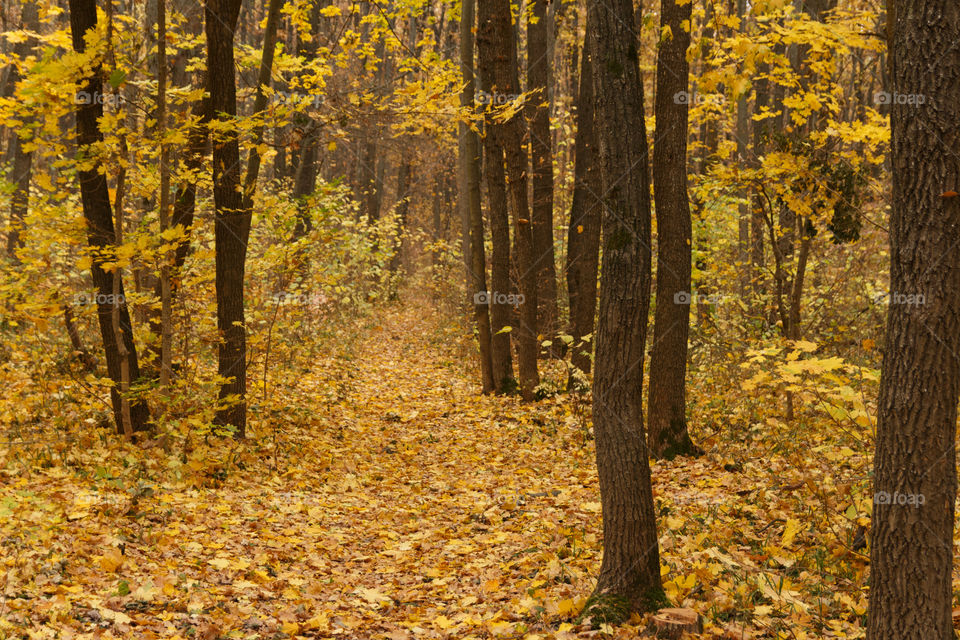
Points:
(385, 498)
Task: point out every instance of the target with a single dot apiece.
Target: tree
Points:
(231, 221)
(666, 407)
(498, 68)
(22, 158)
(630, 573)
(911, 550)
(541, 154)
(470, 199)
(583, 234)
(121, 354)
(234, 208)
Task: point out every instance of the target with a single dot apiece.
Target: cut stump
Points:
(671, 624)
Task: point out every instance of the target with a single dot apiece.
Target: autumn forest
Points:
(479, 319)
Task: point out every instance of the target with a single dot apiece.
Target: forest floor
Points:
(399, 503)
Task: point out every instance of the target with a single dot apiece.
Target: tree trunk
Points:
(541, 151)
(22, 169)
(470, 205)
(666, 408)
(500, 310)
(98, 215)
(630, 572)
(915, 479)
(403, 208)
(166, 299)
(498, 67)
(232, 221)
(583, 236)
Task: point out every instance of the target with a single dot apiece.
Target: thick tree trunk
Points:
(915, 479)
(498, 67)
(232, 221)
(583, 236)
(541, 152)
(666, 408)
(630, 572)
(97, 212)
(470, 206)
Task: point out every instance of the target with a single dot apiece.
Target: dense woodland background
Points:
(326, 318)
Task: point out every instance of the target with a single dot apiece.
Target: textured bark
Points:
(500, 311)
(232, 221)
(911, 546)
(470, 205)
(631, 565)
(498, 68)
(666, 408)
(583, 235)
(97, 213)
(541, 152)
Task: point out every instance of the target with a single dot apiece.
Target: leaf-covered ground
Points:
(387, 499)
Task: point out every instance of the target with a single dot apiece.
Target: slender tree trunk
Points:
(630, 572)
(541, 152)
(469, 200)
(757, 217)
(232, 221)
(403, 207)
(498, 67)
(911, 545)
(583, 236)
(666, 408)
(166, 299)
(500, 310)
(95, 196)
(742, 136)
(22, 159)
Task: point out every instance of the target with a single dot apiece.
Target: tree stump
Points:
(671, 624)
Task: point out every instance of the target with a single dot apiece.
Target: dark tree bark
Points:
(500, 311)
(630, 572)
(98, 214)
(22, 159)
(541, 152)
(498, 68)
(583, 236)
(666, 408)
(232, 221)
(469, 200)
(911, 545)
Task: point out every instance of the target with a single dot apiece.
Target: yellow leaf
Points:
(790, 531)
(111, 560)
